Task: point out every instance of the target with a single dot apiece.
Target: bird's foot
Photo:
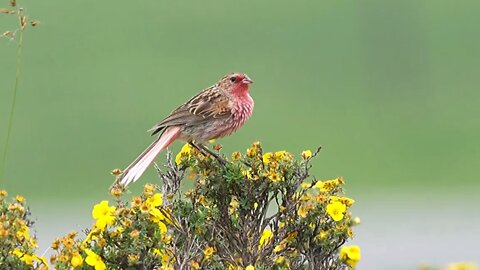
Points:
(205, 151)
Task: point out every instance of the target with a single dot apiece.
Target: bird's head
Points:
(235, 83)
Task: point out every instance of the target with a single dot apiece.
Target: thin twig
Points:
(14, 98)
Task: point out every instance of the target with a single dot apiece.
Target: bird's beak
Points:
(247, 80)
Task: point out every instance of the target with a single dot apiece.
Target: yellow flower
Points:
(137, 201)
(194, 265)
(233, 267)
(280, 247)
(254, 150)
(248, 174)
(26, 258)
(127, 223)
(208, 252)
(233, 205)
(306, 154)
(280, 260)
(155, 200)
(166, 239)
(3, 193)
(202, 200)
(356, 221)
(3, 231)
(274, 176)
(157, 215)
(283, 156)
(23, 232)
(76, 260)
(33, 242)
(167, 260)
(157, 252)
(322, 234)
(303, 211)
(103, 214)
(291, 236)
(41, 259)
(267, 157)
(119, 229)
(322, 186)
(329, 185)
(236, 155)
(279, 155)
(350, 255)
(305, 185)
(162, 227)
(16, 207)
(186, 151)
(461, 266)
(116, 172)
(319, 185)
(148, 189)
(250, 267)
(145, 207)
(132, 258)
(92, 235)
(346, 201)
(267, 235)
(134, 234)
(68, 242)
(251, 152)
(116, 191)
(336, 210)
(20, 198)
(94, 260)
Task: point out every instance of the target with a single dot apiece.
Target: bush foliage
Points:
(254, 210)
(17, 245)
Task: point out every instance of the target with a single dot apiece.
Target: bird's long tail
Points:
(141, 163)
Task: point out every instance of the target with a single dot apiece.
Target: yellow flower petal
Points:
(103, 213)
(336, 210)
(267, 157)
(155, 200)
(76, 260)
(350, 255)
(208, 252)
(94, 260)
(267, 235)
(306, 154)
(186, 151)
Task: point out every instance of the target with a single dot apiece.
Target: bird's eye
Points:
(233, 79)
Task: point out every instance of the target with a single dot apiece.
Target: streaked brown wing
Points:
(201, 108)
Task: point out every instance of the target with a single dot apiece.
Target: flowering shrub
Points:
(452, 266)
(17, 246)
(258, 211)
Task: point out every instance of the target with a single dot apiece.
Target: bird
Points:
(214, 112)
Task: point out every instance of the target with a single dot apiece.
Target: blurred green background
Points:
(388, 88)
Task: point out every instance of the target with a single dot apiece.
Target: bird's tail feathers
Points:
(141, 163)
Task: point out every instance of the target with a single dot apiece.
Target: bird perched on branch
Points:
(215, 112)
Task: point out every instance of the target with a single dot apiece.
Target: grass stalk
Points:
(14, 101)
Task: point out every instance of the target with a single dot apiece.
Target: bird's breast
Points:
(242, 110)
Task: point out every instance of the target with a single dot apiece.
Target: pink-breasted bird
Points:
(215, 112)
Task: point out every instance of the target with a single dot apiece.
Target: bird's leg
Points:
(204, 150)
